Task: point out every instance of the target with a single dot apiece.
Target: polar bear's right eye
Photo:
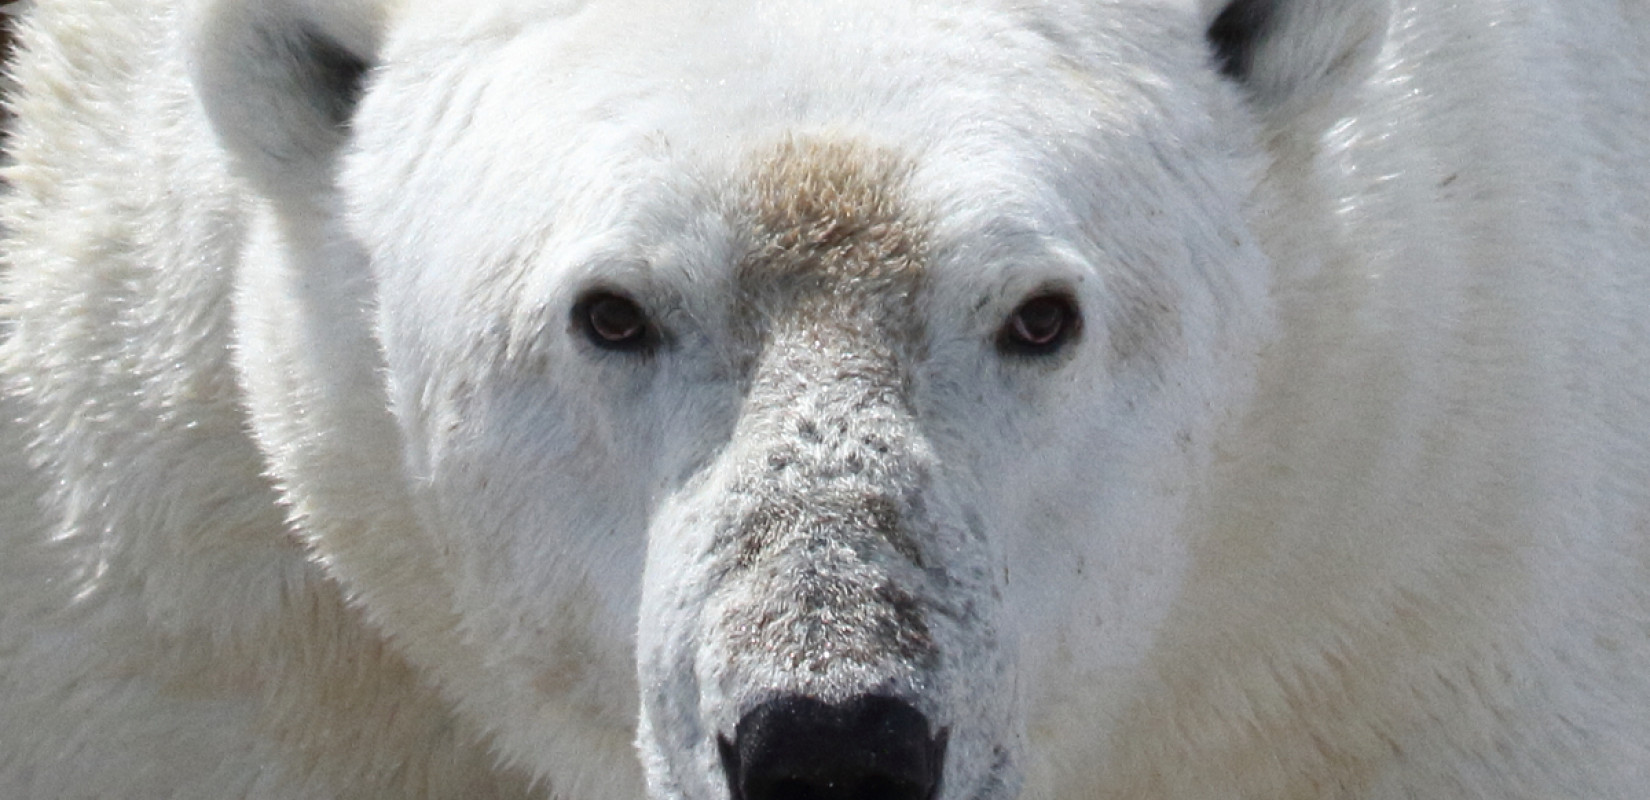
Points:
(1040, 325)
(612, 321)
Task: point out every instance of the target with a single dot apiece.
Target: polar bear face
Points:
(810, 397)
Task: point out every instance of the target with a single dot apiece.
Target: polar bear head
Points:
(808, 396)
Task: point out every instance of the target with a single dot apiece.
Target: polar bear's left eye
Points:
(612, 321)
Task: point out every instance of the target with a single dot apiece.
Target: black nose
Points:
(798, 748)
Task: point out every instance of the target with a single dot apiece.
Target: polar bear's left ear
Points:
(1295, 55)
(280, 80)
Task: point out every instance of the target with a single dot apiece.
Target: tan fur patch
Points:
(830, 234)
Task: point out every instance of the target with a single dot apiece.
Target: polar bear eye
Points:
(613, 322)
(1039, 326)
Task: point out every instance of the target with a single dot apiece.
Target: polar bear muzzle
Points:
(824, 604)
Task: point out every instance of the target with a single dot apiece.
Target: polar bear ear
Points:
(280, 80)
(1293, 56)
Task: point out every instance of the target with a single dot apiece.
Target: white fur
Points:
(1343, 491)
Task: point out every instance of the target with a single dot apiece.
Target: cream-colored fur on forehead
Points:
(828, 217)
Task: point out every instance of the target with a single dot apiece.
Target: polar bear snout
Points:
(824, 603)
(870, 747)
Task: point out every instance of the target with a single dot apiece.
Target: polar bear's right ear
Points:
(1292, 56)
(280, 80)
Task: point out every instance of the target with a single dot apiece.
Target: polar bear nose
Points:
(799, 748)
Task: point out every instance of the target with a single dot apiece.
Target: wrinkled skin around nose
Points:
(825, 543)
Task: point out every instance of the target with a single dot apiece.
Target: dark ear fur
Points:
(281, 79)
(330, 75)
(1236, 32)
(1294, 56)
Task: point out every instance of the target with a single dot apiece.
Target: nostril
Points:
(799, 748)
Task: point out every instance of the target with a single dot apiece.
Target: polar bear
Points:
(862, 400)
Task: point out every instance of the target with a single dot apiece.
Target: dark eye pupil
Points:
(1040, 321)
(615, 322)
(1040, 325)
